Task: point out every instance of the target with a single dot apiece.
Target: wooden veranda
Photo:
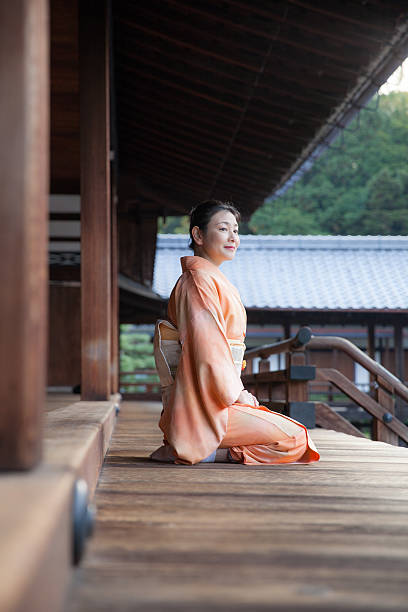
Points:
(114, 113)
(327, 536)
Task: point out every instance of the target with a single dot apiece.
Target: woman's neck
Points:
(198, 252)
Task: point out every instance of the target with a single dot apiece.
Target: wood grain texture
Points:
(24, 158)
(327, 536)
(115, 329)
(36, 508)
(362, 399)
(328, 418)
(64, 337)
(384, 396)
(96, 272)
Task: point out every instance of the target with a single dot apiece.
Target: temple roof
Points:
(305, 272)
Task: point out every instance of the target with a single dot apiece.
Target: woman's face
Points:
(220, 240)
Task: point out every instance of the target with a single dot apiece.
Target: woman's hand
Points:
(245, 397)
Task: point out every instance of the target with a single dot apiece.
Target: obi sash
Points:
(167, 352)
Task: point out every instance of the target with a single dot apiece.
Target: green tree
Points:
(174, 225)
(136, 353)
(359, 186)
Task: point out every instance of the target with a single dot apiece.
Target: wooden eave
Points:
(222, 100)
(228, 99)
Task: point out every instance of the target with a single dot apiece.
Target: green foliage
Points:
(136, 350)
(136, 353)
(359, 186)
(174, 225)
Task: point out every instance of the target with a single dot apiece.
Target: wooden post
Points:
(115, 299)
(371, 350)
(24, 180)
(385, 399)
(398, 351)
(297, 403)
(371, 341)
(399, 364)
(96, 267)
(286, 335)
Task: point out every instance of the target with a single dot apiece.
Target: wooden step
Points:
(36, 510)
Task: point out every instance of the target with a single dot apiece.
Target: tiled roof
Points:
(304, 272)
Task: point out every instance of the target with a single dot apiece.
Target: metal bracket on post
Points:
(304, 412)
(83, 519)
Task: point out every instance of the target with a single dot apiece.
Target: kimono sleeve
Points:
(203, 336)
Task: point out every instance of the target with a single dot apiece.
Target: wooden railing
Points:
(138, 385)
(286, 390)
(386, 426)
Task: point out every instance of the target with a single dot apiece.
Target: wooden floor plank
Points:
(326, 536)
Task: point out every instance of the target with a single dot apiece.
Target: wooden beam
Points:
(137, 246)
(371, 340)
(24, 119)
(96, 271)
(246, 24)
(115, 297)
(61, 216)
(371, 351)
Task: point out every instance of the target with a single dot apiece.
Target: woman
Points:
(205, 406)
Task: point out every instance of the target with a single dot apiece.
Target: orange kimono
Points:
(201, 412)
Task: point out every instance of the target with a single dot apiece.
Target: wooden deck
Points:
(327, 536)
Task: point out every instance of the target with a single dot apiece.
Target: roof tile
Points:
(305, 272)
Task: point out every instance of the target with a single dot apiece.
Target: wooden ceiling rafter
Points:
(180, 126)
(202, 184)
(243, 165)
(272, 114)
(215, 84)
(163, 149)
(197, 32)
(167, 180)
(188, 130)
(165, 171)
(182, 178)
(241, 74)
(161, 104)
(188, 145)
(196, 184)
(132, 184)
(187, 90)
(192, 46)
(276, 17)
(341, 15)
(218, 101)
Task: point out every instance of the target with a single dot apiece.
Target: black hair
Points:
(201, 214)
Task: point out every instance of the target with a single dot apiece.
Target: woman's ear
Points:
(197, 235)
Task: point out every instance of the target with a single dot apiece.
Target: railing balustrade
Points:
(141, 384)
(287, 390)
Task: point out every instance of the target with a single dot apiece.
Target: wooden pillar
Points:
(96, 266)
(399, 367)
(398, 351)
(286, 330)
(371, 341)
(115, 300)
(371, 350)
(24, 180)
